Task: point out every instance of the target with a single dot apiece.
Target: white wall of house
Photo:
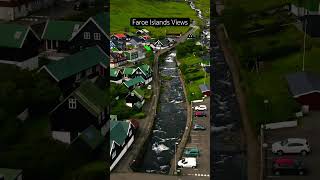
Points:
(124, 150)
(129, 105)
(148, 80)
(62, 136)
(117, 82)
(6, 13)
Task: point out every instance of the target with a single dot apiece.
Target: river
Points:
(169, 123)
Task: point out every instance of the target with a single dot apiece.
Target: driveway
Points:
(309, 127)
(201, 140)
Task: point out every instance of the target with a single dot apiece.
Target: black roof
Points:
(302, 83)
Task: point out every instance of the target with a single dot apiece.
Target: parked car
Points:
(200, 108)
(291, 145)
(188, 162)
(288, 166)
(197, 127)
(192, 152)
(200, 114)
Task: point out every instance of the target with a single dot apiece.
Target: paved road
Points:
(147, 123)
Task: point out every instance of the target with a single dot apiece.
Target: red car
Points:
(288, 166)
(200, 114)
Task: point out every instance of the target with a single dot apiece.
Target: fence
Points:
(284, 124)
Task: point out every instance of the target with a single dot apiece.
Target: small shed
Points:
(204, 89)
(305, 88)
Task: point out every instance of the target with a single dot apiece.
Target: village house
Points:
(135, 99)
(116, 75)
(69, 71)
(305, 88)
(19, 45)
(135, 55)
(14, 9)
(145, 72)
(56, 34)
(122, 135)
(93, 32)
(86, 106)
(135, 82)
(117, 59)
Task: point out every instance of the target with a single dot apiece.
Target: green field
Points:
(121, 12)
(193, 75)
(271, 84)
(256, 5)
(204, 6)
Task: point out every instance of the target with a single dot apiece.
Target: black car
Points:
(288, 166)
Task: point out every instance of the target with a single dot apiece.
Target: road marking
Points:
(273, 176)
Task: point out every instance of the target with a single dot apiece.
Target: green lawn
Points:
(193, 75)
(204, 6)
(272, 45)
(121, 12)
(271, 84)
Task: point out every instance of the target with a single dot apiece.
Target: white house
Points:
(13, 9)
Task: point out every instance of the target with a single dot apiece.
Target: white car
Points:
(291, 145)
(200, 108)
(188, 162)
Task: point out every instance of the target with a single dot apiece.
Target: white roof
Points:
(297, 140)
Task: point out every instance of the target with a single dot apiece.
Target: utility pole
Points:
(304, 43)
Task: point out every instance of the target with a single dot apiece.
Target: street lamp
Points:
(175, 156)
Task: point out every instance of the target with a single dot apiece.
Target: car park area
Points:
(199, 140)
(308, 128)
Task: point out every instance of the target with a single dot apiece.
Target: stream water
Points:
(170, 120)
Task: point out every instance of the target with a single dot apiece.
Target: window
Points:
(78, 77)
(86, 35)
(97, 36)
(72, 103)
(89, 71)
(114, 155)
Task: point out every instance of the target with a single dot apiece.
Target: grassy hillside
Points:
(122, 10)
(256, 5)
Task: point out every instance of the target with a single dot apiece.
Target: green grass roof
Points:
(10, 174)
(92, 137)
(134, 81)
(114, 72)
(118, 131)
(91, 97)
(76, 63)
(145, 68)
(60, 30)
(12, 35)
(139, 93)
(128, 71)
